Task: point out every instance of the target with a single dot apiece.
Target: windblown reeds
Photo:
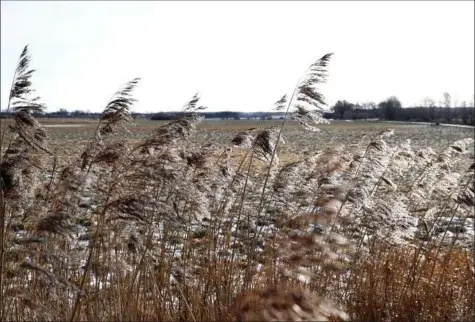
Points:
(173, 228)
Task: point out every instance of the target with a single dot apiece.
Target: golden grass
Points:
(385, 286)
(375, 286)
(179, 221)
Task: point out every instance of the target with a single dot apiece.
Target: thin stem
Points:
(89, 257)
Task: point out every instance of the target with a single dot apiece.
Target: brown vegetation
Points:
(163, 228)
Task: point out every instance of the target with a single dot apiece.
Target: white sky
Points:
(241, 56)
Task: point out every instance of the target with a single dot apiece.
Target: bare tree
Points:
(390, 108)
(428, 102)
(431, 105)
(447, 100)
(369, 105)
(341, 107)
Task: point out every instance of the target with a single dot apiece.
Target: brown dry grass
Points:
(374, 286)
(385, 286)
(179, 221)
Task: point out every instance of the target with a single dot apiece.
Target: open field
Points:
(70, 137)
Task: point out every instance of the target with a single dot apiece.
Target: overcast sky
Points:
(241, 56)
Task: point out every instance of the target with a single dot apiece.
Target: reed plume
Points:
(24, 156)
(116, 112)
(307, 93)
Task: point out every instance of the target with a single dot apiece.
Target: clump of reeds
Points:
(23, 159)
(169, 228)
(26, 145)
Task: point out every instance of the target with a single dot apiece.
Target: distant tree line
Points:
(226, 115)
(162, 116)
(390, 109)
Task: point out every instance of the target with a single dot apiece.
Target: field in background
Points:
(69, 136)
